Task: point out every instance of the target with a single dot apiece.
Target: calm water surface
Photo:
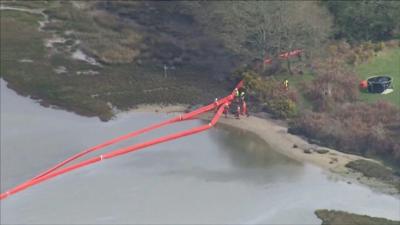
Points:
(221, 176)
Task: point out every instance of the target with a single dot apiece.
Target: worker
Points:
(244, 109)
(226, 110)
(286, 84)
(216, 105)
(236, 94)
(238, 111)
(242, 94)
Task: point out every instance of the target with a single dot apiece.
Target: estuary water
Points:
(221, 176)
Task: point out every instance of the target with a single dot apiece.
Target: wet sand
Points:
(275, 134)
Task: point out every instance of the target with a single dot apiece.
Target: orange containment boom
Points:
(58, 170)
(285, 55)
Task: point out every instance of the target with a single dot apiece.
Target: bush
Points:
(366, 46)
(379, 46)
(333, 84)
(358, 53)
(393, 43)
(353, 59)
(269, 93)
(361, 128)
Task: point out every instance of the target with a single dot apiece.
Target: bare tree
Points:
(259, 29)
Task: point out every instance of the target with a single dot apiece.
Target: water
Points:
(221, 176)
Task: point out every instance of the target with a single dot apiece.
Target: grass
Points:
(297, 81)
(124, 85)
(20, 39)
(386, 63)
(333, 217)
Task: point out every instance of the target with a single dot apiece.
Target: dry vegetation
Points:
(338, 118)
(361, 128)
(268, 94)
(333, 84)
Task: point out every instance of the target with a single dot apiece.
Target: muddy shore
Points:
(274, 132)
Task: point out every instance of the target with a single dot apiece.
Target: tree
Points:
(365, 20)
(260, 29)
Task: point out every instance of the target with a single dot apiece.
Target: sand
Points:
(274, 132)
(280, 140)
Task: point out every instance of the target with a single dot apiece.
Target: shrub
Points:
(366, 46)
(352, 55)
(393, 43)
(352, 59)
(333, 84)
(343, 47)
(270, 94)
(366, 129)
(379, 46)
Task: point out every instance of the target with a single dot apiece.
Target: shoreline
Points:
(159, 108)
(274, 133)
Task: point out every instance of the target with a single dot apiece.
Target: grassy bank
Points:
(41, 63)
(386, 63)
(333, 217)
(346, 119)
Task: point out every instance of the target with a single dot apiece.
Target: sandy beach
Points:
(275, 134)
(279, 139)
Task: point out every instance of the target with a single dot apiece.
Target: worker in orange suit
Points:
(244, 109)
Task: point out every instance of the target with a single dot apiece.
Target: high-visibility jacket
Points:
(236, 93)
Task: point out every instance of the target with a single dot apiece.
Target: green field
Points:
(386, 63)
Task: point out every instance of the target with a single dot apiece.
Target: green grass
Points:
(386, 63)
(296, 81)
(124, 85)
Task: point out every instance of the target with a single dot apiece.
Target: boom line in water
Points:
(56, 171)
